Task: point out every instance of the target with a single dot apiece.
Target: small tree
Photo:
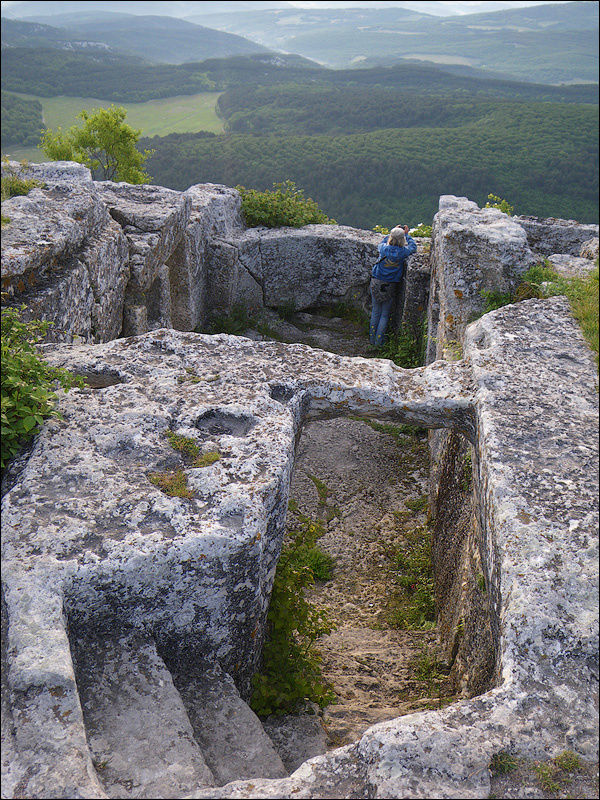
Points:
(105, 143)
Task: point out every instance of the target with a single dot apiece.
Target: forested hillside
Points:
(21, 121)
(543, 157)
(153, 38)
(49, 72)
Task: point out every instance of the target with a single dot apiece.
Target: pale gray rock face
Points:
(153, 219)
(547, 236)
(312, 266)
(537, 431)
(230, 735)
(137, 728)
(85, 530)
(589, 249)
(63, 256)
(570, 266)
(475, 250)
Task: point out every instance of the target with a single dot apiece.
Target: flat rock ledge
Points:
(90, 544)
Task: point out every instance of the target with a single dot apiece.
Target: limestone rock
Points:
(476, 250)
(138, 731)
(570, 266)
(547, 236)
(63, 256)
(589, 249)
(153, 219)
(228, 732)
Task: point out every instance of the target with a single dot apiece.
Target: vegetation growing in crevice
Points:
(542, 281)
(282, 206)
(412, 601)
(28, 382)
(291, 672)
(172, 483)
(403, 347)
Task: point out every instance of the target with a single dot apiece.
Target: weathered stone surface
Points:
(538, 510)
(63, 256)
(589, 249)
(228, 732)
(475, 250)
(296, 738)
(137, 729)
(84, 528)
(547, 236)
(310, 266)
(153, 219)
(570, 266)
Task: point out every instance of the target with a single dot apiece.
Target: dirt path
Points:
(363, 479)
(357, 479)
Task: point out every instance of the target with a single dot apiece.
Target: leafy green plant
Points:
(104, 142)
(403, 348)
(495, 299)
(422, 230)
(28, 382)
(284, 205)
(291, 672)
(494, 201)
(414, 604)
(381, 229)
(502, 763)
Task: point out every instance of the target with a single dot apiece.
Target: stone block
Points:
(547, 236)
(140, 738)
(153, 219)
(228, 732)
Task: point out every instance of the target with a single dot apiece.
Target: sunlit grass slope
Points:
(182, 114)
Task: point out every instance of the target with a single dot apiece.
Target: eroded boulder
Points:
(62, 256)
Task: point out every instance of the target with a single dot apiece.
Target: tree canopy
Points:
(105, 143)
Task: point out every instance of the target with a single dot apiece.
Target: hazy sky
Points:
(442, 7)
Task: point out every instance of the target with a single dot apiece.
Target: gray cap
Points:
(397, 232)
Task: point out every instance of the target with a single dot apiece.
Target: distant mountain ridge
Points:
(157, 39)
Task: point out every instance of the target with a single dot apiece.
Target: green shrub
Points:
(284, 205)
(14, 186)
(28, 382)
(495, 299)
(422, 230)
(403, 348)
(502, 763)
(414, 604)
(494, 201)
(291, 671)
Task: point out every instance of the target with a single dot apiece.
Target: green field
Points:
(182, 114)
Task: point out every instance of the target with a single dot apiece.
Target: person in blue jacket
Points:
(385, 277)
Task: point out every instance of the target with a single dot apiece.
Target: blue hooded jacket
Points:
(390, 266)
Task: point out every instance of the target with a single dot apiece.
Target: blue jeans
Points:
(380, 316)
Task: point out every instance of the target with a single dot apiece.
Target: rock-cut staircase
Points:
(152, 734)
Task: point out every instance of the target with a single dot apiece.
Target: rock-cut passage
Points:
(365, 482)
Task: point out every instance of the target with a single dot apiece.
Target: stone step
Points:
(138, 732)
(229, 733)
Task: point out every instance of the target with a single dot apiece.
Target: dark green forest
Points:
(366, 150)
(543, 157)
(21, 121)
(49, 72)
